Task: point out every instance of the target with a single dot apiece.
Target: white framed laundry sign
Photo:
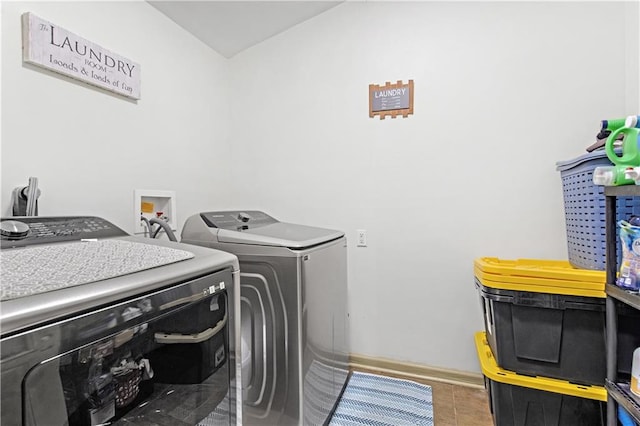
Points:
(54, 48)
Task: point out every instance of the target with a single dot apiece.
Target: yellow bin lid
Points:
(491, 370)
(540, 276)
(551, 287)
(537, 268)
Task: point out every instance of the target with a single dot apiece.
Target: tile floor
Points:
(454, 405)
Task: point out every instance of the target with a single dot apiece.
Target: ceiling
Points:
(229, 27)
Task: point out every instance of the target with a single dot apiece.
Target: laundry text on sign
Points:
(56, 49)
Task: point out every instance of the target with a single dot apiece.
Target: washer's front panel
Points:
(270, 328)
(162, 358)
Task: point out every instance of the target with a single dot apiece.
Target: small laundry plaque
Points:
(51, 47)
(391, 99)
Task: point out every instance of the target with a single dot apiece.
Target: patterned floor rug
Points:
(375, 400)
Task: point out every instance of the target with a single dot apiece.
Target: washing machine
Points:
(98, 327)
(293, 286)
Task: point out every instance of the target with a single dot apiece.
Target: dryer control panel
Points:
(237, 220)
(32, 230)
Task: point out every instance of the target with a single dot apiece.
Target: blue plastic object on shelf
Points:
(625, 418)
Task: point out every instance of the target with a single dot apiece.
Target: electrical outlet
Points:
(362, 238)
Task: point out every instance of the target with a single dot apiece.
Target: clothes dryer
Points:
(99, 327)
(293, 281)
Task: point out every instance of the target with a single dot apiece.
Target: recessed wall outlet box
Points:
(154, 203)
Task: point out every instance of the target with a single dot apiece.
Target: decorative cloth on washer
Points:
(40, 269)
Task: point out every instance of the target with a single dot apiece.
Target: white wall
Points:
(632, 56)
(635, 39)
(502, 91)
(90, 149)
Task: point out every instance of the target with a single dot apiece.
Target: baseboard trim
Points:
(417, 371)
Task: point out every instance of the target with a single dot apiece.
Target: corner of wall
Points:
(632, 57)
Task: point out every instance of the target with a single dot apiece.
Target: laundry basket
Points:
(584, 207)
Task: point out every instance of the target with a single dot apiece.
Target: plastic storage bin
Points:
(584, 207)
(540, 325)
(521, 297)
(517, 400)
(549, 335)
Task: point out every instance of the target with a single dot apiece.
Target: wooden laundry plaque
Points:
(391, 99)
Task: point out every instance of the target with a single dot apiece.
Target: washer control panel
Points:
(237, 220)
(32, 230)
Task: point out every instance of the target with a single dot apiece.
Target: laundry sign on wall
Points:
(391, 99)
(54, 48)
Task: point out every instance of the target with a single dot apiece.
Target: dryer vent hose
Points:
(25, 199)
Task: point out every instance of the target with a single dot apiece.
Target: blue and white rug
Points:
(375, 400)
